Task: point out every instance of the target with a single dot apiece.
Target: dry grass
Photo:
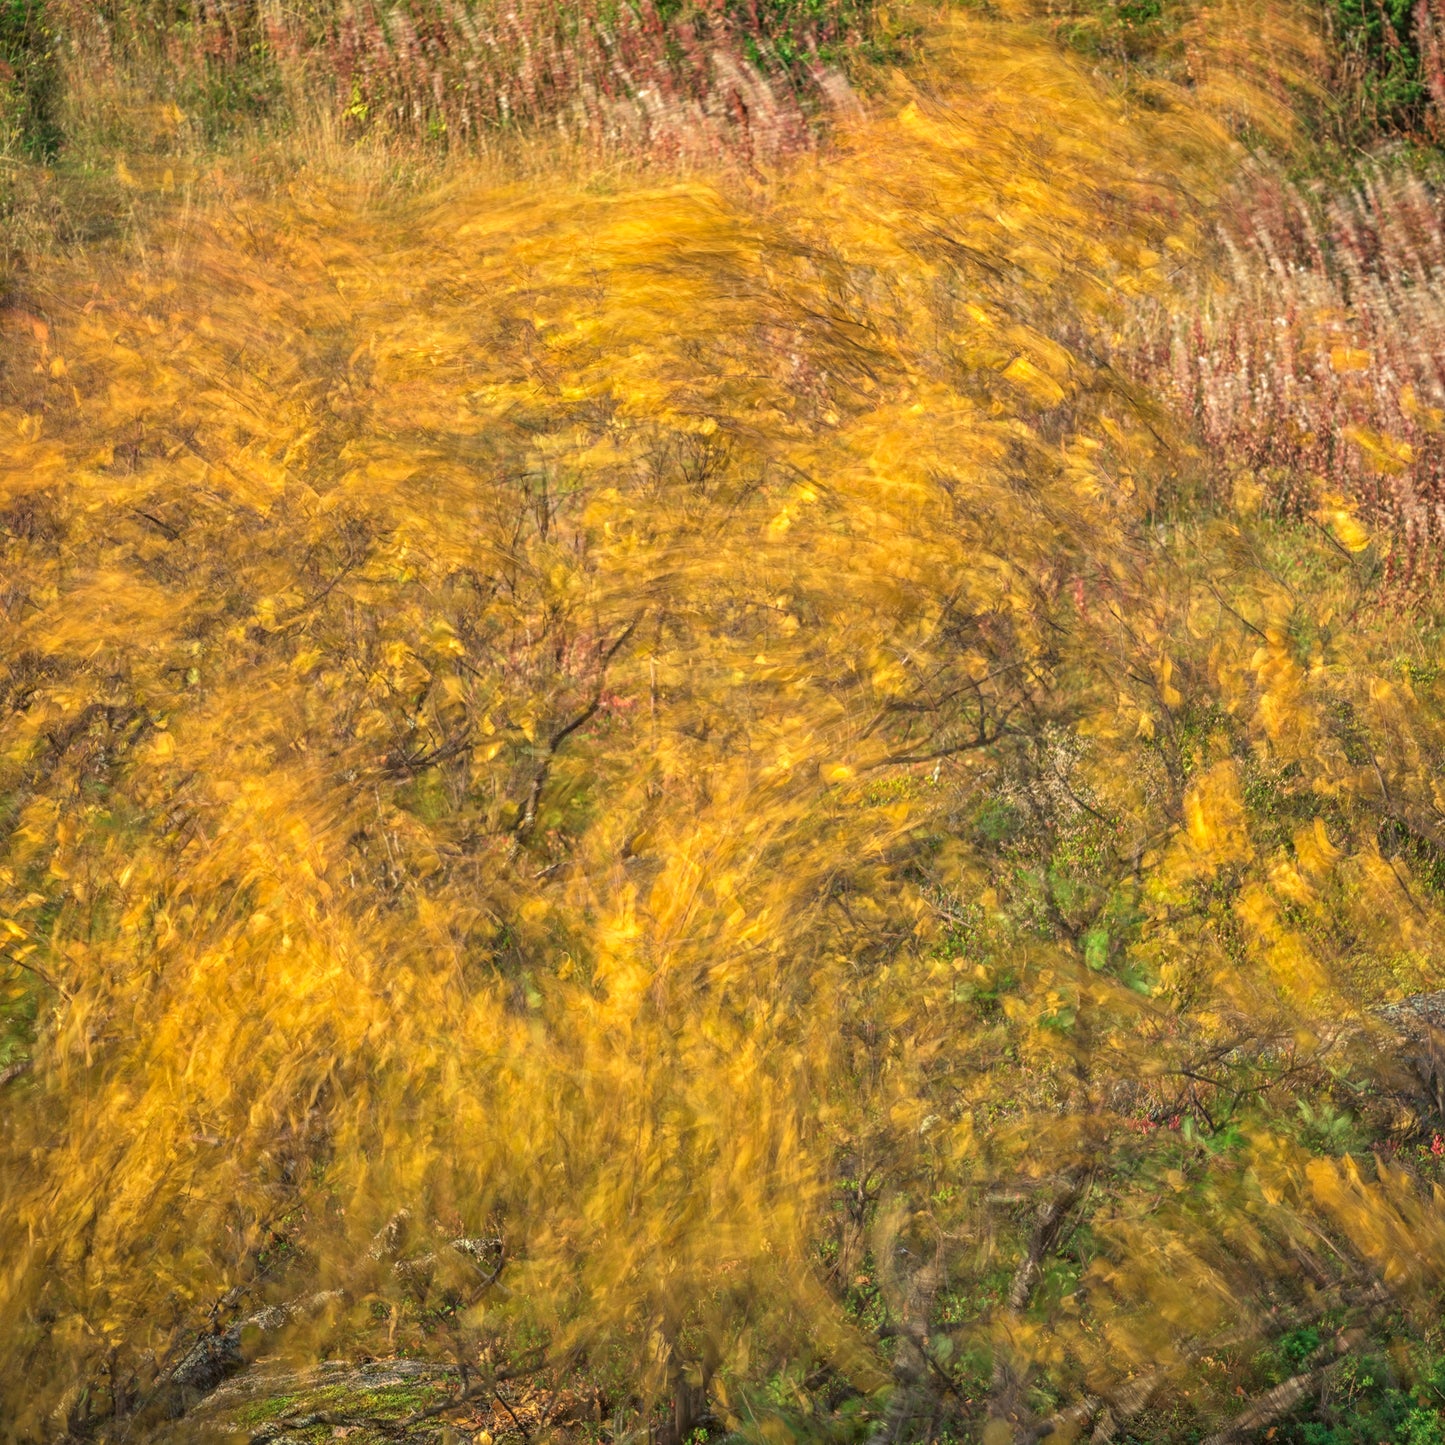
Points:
(1315, 369)
(676, 83)
(160, 114)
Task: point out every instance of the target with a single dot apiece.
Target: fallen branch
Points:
(216, 1356)
(1007, 1383)
(485, 1388)
(1130, 1398)
(14, 1071)
(1265, 1409)
(1047, 1224)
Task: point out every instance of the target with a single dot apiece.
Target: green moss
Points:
(387, 1403)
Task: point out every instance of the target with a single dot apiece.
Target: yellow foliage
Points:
(1214, 814)
(509, 692)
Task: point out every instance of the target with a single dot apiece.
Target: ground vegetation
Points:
(773, 791)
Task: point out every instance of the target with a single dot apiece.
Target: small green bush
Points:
(29, 78)
(1377, 41)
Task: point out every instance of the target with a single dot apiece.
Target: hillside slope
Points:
(669, 789)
